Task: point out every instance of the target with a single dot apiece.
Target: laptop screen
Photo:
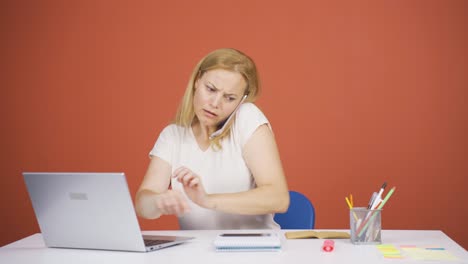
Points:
(85, 210)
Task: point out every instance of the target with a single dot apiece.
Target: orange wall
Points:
(357, 94)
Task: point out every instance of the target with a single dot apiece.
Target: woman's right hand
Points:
(171, 202)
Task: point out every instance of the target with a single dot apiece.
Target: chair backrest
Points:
(300, 214)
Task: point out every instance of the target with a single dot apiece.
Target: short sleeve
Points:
(248, 119)
(163, 148)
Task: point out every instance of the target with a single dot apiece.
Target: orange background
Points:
(358, 93)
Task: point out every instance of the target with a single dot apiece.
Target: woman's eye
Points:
(230, 99)
(210, 89)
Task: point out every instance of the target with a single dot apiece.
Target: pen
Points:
(378, 198)
(382, 189)
(372, 199)
(366, 223)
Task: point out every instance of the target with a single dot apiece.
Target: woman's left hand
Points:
(193, 186)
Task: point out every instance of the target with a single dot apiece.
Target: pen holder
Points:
(366, 226)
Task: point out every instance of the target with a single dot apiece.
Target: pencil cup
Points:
(366, 226)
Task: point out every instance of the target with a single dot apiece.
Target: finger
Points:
(184, 177)
(180, 206)
(178, 171)
(180, 174)
(173, 205)
(166, 202)
(175, 209)
(160, 205)
(183, 208)
(194, 182)
(188, 178)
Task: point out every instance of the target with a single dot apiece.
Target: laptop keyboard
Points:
(151, 242)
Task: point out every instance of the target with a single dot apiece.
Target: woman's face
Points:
(217, 93)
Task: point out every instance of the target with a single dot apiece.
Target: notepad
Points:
(247, 242)
(316, 234)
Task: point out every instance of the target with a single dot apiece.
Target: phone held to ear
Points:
(219, 131)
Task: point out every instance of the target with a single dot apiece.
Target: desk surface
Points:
(200, 250)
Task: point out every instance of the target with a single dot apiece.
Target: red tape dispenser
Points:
(328, 245)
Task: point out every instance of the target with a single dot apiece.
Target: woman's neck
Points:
(202, 134)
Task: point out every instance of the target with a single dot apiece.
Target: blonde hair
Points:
(226, 59)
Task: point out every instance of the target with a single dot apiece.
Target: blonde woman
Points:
(213, 176)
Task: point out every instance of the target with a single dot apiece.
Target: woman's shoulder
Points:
(248, 119)
(249, 108)
(250, 111)
(174, 130)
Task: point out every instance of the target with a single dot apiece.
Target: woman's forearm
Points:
(145, 204)
(261, 200)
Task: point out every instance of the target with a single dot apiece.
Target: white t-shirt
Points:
(221, 171)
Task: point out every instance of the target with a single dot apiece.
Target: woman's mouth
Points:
(210, 114)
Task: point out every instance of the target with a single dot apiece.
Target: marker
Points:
(328, 245)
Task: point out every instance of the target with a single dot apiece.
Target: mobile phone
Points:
(219, 131)
(245, 234)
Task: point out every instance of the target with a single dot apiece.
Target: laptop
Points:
(89, 211)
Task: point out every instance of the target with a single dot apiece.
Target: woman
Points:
(231, 179)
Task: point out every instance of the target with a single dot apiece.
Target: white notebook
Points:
(264, 241)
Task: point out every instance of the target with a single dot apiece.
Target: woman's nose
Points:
(216, 100)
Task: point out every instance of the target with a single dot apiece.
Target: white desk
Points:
(200, 250)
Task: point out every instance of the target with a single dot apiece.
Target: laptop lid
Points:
(88, 211)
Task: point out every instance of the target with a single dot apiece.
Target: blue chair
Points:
(300, 214)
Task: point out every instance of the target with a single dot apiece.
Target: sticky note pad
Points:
(389, 251)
